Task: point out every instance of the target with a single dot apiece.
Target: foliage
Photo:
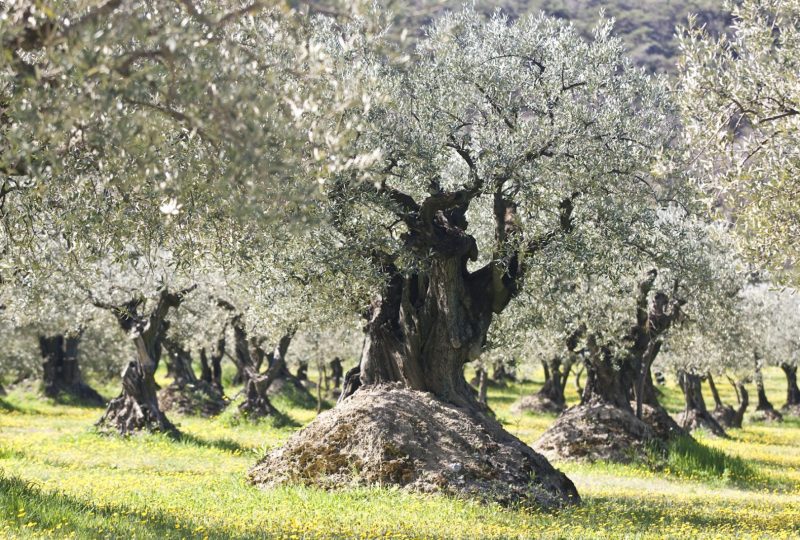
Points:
(739, 96)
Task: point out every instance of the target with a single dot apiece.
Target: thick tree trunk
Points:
(763, 405)
(61, 369)
(792, 390)
(695, 414)
(136, 408)
(606, 382)
(423, 330)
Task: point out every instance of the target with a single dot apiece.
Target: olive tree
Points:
(501, 146)
(740, 101)
(676, 270)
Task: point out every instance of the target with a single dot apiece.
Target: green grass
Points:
(58, 477)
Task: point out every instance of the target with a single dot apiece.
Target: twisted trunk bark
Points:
(211, 368)
(792, 390)
(61, 369)
(137, 408)
(695, 414)
(763, 404)
(424, 329)
(552, 390)
(606, 382)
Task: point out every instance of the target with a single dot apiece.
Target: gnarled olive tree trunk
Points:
(428, 323)
(256, 402)
(550, 398)
(763, 405)
(792, 390)
(725, 415)
(61, 369)
(653, 319)
(137, 408)
(695, 414)
(211, 364)
(186, 393)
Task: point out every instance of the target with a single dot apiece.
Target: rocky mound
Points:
(766, 415)
(198, 399)
(536, 403)
(791, 410)
(596, 431)
(390, 435)
(726, 416)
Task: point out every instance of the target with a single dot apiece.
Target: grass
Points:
(59, 478)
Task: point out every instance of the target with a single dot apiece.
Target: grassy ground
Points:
(58, 478)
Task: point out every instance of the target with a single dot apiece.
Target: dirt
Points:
(598, 431)
(390, 435)
(536, 403)
(200, 399)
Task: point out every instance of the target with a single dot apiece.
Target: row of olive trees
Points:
(294, 160)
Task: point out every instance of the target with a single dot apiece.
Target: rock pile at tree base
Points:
(390, 435)
(537, 403)
(195, 399)
(694, 419)
(598, 431)
(791, 410)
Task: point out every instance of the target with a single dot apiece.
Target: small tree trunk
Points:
(714, 393)
(319, 393)
(61, 369)
(337, 372)
(696, 415)
(792, 390)
(743, 402)
(483, 386)
(180, 363)
(763, 405)
(553, 388)
(578, 373)
(205, 368)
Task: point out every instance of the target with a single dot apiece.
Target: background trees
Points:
(739, 97)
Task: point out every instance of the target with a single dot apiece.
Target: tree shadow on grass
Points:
(8, 407)
(691, 459)
(646, 517)
(224, 444)
(27, 508)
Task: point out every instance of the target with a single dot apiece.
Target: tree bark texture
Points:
(136, 408)
(763, 404)
(695, 414)
(653, 319)
(61, 369)
(792, 390)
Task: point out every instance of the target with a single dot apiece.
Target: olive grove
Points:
(221, 184)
